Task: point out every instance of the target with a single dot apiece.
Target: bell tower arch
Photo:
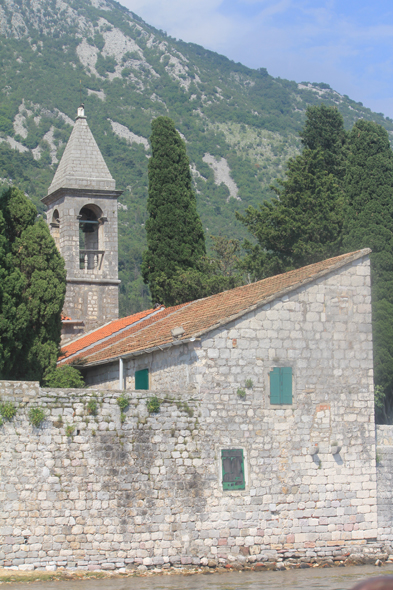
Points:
(82, 218)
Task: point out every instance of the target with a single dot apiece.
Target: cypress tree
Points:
(304, 223)
(369, 224)
(324, 130)
(175, 237)
(32, 291)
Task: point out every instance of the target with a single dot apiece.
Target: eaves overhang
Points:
(138, 352)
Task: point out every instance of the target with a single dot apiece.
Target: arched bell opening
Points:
(90, 238)
(55, 227)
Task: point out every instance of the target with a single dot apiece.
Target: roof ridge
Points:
(240, 287)
(85, 334)
(349, 257)
(204, 315)
(129, 327)
(112, 334)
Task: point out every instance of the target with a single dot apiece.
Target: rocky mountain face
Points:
(240, 125)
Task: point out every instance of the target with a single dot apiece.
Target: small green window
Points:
(232, 469)
(142, 379)
(281, 385)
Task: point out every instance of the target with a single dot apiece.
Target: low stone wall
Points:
(144, 490)
(111, 494)
(384, 453)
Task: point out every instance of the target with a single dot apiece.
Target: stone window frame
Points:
(218, 450)
(280, 364)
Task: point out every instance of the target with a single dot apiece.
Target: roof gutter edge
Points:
(139, 352)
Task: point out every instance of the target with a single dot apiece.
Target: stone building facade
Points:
(319, 326)
(82, 217)
(384, 456)
(263, 448)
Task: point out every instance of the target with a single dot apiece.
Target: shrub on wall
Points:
(7, 410)
(65, 376)
(153, 405)
(70, 430)
(123, 402)
(92, 407)
(36, 416)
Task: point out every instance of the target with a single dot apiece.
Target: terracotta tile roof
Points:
(97, 336)
(203, 315)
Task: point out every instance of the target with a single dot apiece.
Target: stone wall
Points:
(384, 455)
(94, 303)
(148, 490)
(92, 292)
(322, 330)
(174, 368)
(69, 203)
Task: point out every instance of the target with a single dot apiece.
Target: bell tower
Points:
(82, 217)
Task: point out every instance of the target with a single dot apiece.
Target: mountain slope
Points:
(240, 125)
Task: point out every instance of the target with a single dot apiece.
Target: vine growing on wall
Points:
(36, 416)
(153, 405)
(8, 411)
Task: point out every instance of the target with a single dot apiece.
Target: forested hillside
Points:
(240, 125)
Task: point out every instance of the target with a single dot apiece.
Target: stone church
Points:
(82, 216)
(260, 447)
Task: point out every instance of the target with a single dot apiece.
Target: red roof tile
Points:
(96, 336)
(203, 315)
(65, 318)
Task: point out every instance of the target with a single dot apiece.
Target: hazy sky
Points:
(346, 43)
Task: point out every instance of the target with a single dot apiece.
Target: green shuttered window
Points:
(233, 469)
(142, 379)
(281, 385)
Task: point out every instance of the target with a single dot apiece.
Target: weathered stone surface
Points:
(148, 491)
(82, 180)
(384, 456)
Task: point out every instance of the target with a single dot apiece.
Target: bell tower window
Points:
(55, 227)
(90, 238)
(82, 217)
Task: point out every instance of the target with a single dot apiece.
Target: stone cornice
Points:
(80, 192)
(90, 281)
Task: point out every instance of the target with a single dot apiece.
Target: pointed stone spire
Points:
(82, 165)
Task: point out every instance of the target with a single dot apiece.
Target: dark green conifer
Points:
(369, 224)
(324, 130)
(304, 223)
(175, 237)
(31, 293)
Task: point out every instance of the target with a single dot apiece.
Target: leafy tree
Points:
(227, 256)
(304, 223)
(207, 278)
(31, 293)
(223, 108)
(64, 376)
(369, 224)
(175, 236)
